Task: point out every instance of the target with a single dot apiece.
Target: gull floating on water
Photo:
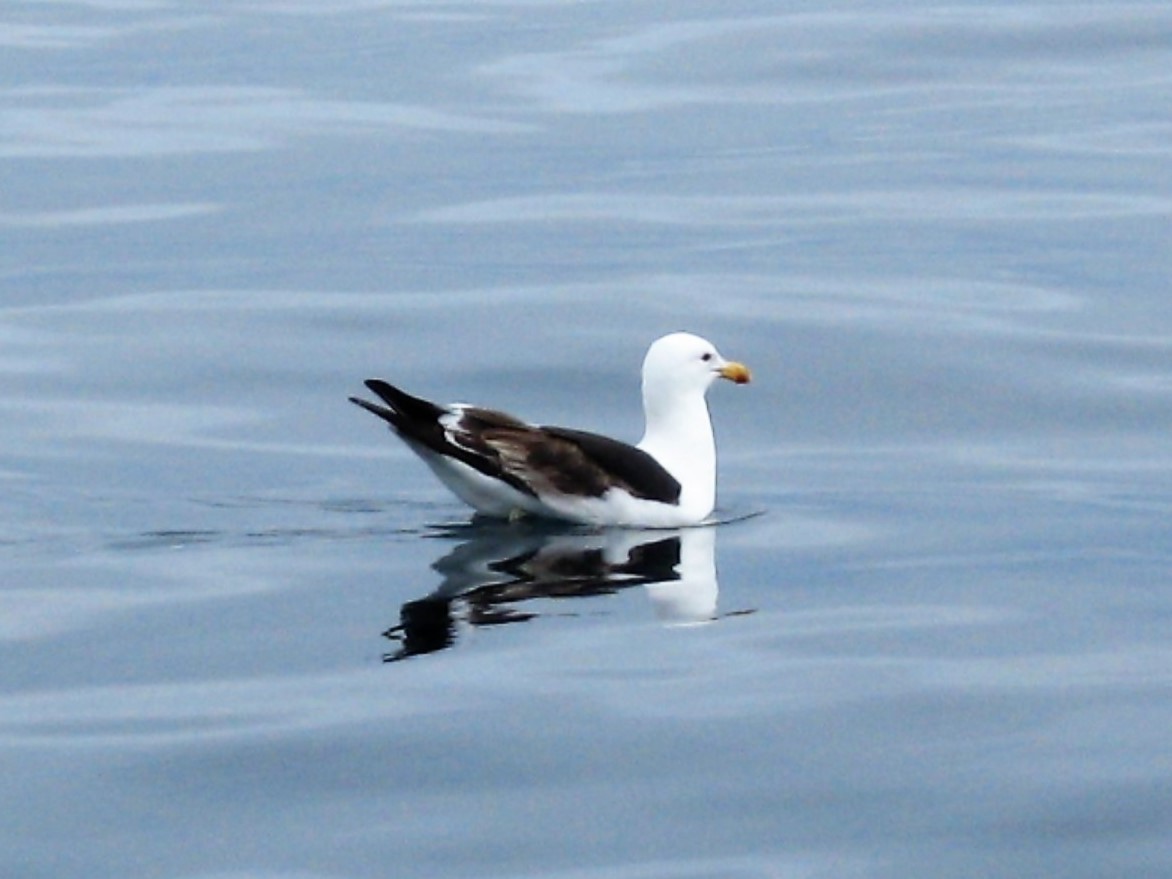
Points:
(503, 467)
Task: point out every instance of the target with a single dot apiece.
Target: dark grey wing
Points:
(533, 460)
(419, 423)
(618, 464)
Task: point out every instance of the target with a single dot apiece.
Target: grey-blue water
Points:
(939, 234)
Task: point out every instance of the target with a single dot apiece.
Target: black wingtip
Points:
(373, 408)
(386, 392)
(411, 408)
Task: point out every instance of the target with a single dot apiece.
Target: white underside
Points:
(491, 497)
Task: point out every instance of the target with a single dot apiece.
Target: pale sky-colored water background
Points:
(939, 233)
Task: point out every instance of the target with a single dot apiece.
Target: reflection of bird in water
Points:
(505, 468)
(488, 579)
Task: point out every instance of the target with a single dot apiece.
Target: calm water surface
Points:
(929, 638)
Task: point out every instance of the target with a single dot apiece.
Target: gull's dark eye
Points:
(706, 356)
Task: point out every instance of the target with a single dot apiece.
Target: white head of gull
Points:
(504, 467)
(677, 372)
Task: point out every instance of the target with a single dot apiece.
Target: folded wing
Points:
(537, 461)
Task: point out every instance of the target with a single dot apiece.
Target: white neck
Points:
(679, 436)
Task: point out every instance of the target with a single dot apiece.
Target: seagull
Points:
(503, 467)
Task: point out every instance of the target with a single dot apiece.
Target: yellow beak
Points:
(736, 372)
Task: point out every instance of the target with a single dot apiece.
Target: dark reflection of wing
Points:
(489, 578)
